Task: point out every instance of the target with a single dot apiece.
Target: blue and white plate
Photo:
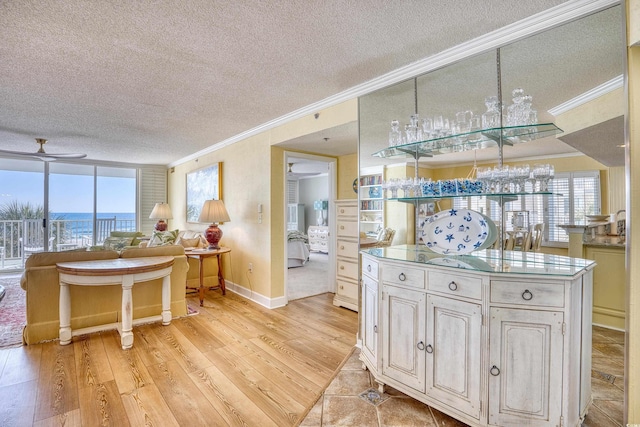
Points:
(455, 231)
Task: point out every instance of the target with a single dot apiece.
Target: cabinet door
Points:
(403, 335)
(453, 350)
(370, 319)
(525, 377)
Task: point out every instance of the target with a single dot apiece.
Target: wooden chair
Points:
(526, 242)
(538, 234)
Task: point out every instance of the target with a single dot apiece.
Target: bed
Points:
(297, 249)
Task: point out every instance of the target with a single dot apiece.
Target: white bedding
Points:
(298, 253)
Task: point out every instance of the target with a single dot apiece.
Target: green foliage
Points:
(17, 210)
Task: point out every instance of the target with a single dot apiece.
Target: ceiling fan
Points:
(291, 172)
(42, 155)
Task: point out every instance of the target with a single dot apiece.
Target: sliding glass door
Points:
(61, 206)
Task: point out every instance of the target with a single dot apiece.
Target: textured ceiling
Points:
(153, 82)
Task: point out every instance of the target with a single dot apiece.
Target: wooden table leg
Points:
(221, 276)
(201, 289)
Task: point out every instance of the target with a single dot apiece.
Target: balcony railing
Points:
(20, 238)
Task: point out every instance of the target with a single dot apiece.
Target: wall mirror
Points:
(554, 66)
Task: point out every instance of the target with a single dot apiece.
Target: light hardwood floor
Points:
(235, 363)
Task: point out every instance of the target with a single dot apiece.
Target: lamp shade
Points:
(161, 211)
(213, 211)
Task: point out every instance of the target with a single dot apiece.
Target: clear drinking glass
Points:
(395, 136)
(491, 118)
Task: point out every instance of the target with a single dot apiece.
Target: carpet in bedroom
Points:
(310, 279)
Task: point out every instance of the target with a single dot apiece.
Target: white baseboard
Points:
(256, 297)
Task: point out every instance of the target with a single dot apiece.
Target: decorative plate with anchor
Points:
(456, 232)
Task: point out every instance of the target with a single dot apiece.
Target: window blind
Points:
(152, 189)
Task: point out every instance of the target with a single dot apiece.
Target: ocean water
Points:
(81, 223)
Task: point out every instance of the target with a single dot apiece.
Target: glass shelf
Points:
(457, 196)
(484, 138)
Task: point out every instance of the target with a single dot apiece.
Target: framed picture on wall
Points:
(203, 184)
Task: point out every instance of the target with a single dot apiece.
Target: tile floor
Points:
(352, 400)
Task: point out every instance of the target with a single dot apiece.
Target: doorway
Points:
(310, 191)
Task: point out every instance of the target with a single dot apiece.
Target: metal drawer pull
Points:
(420, 345)
(342, 267)
(453, 286)
(341, 247)
(527, 295)
(369, 268)
(342, 227)
(341, 210)
(341, 287)
(429, 348)
(375, 328)
(402, 277)
(494, 371)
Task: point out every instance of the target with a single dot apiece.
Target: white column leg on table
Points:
(166, 300)
(126, 336)
(65, 314)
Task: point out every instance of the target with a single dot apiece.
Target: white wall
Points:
(310, 190)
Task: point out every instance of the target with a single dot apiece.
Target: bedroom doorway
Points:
(310, 190)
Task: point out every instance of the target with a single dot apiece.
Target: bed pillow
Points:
(163, 238)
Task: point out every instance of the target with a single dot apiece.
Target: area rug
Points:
(13, 316)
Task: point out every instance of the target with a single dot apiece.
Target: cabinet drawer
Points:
(403, 276)
(348, 269)
(347, 289)
(347, 249)
(347, 211)
(540, 294)
(370, 267)
(453, 284)
(347, 228)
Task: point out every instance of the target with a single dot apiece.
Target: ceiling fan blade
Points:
(45, 156)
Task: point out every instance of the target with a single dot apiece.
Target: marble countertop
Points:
(605, 244)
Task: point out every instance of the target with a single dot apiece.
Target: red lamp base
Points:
(161, 225)
(213, 234)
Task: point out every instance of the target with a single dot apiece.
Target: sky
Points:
(69, 193)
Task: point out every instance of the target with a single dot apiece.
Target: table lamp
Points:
(161, 211)
(213, 211)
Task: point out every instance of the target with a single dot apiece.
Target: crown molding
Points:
(590, 95)
(545, 20)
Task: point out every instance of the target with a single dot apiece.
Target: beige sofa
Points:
(91, 306)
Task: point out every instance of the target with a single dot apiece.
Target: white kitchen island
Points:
(491, 338)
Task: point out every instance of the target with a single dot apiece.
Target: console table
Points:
(201, 255)
(119, 271)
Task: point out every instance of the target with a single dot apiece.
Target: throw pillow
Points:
(189, 243)
(163, 238)
(117, 243)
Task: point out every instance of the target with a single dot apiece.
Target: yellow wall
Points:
(253, 172)
(347, 172)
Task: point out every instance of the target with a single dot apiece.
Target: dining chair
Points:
(538, 233)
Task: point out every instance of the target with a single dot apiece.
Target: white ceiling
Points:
(154, 82)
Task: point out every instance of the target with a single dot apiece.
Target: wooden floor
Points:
(235, 363)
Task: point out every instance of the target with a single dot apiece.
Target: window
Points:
(575, 195)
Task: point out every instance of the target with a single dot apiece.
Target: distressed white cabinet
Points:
(453, 353)
(369, 309)
(404, 318)
(490, 342)
(526, 357)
